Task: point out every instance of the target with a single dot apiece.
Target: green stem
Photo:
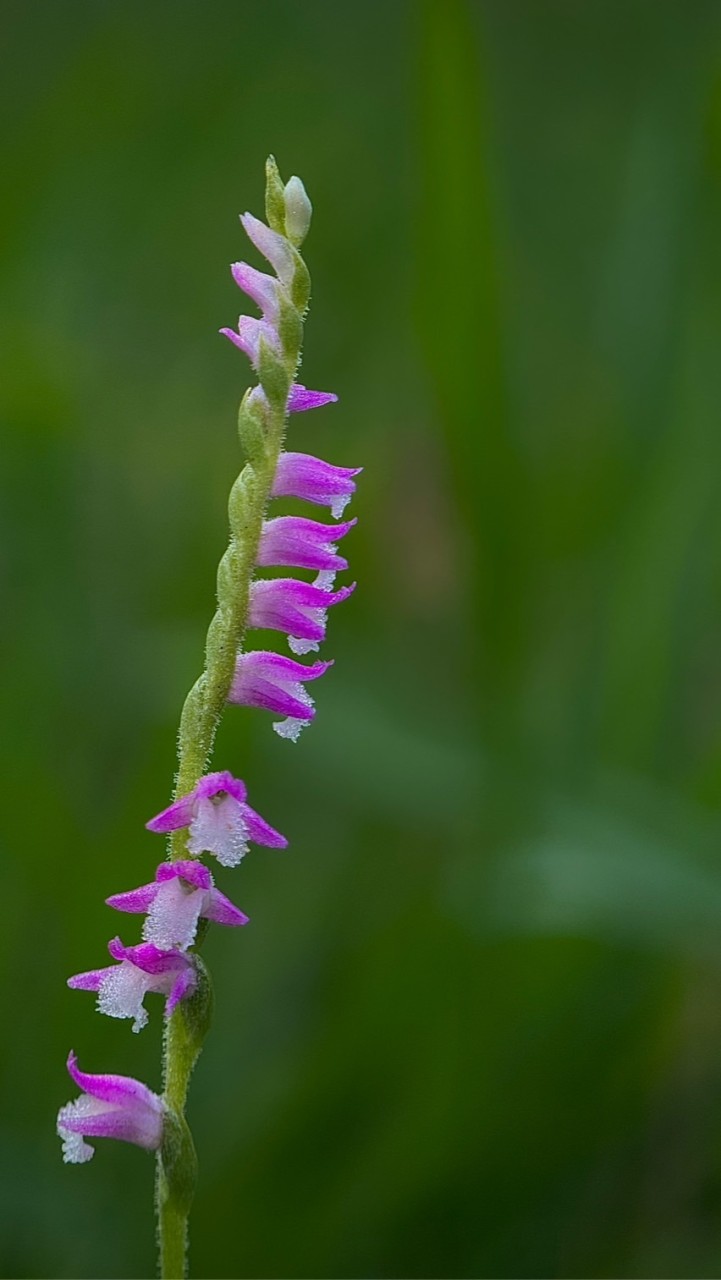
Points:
(172, 1233)
(262, 431)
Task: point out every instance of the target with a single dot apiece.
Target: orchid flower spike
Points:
(212, 814)
(110, 1107)
(274, 683)
(181, 894)
(122, 987)
(220, 821)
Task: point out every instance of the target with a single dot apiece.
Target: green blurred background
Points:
(475, 1027)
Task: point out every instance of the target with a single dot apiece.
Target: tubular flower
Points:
(220, 821)
(274, 683)
(302, 544)
(110, 1107)
(122, 987)
(298, 608)
(301, 399)
(181, 894)
(299, 475)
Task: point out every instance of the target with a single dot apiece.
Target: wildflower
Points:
(263, 289)
(220, 821)
(298, 608)
(301, 543)
(299, 475)
(181, 894)
(275, 683)
(110, 1107)
(122, 987)
(274, 247)
(301, 399)
(249, 335)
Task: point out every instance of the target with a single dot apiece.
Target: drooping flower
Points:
(110, 1107)
(181, 893)
(275, 683)
(299, 475)
(122, 987)
(298, 608)
(301, 543)
(220, 821)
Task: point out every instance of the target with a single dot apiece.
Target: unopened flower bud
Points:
(298, 211)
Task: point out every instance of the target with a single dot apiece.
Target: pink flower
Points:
(274, 247)
(181, 893)
(299, 475)
(300, 399)
(302, 544)
(220, 821)
(248, 337)
(122, 987)
(110, 1107)
(275, 683)
(298, 608)
(264, 290)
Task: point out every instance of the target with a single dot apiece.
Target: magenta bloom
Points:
(122, 987)
(220, 821)
(300, 399)
(301, 543)
(110, 1107)
(181, 893)
(248, 337)
(299, 475)
(298, 608)
(274, 683)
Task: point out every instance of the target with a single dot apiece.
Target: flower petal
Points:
(135, 900)
(301, 399)
(221, 910)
